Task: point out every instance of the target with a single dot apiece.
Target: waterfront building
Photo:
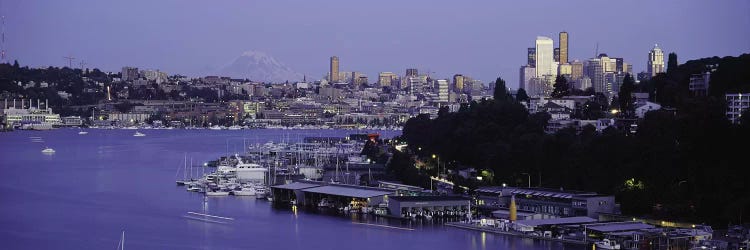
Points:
(333, 74)
(736, 104)
(555, 202)
(402, 205)
(655, 64)
(31, 117)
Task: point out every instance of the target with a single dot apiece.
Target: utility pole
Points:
(70, 60)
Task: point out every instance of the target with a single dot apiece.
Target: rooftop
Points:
(347, 191)
(616, 227)
(556, 221)
(296, 186)
(428, 198)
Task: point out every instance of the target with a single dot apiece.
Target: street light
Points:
(434, 156)
(527, 174)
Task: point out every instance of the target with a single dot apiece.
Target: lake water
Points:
(99, 184)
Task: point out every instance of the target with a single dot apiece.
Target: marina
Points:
(109, 181)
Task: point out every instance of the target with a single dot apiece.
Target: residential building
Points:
(736, 104)
(699, 83)
(129, 74)
(642, 109)
(385, 79)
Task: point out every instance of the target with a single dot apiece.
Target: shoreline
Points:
(464, 226)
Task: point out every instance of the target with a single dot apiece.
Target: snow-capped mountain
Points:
(259, 66)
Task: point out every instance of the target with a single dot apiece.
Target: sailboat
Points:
(184, 174)
(121, 244)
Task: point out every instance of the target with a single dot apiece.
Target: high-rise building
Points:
(333, 74)
(531, 57)
(458, 83)
(441, 86)
(545, 65)
(411, 72)
(655, 61)
(594, 69)
(385, 79)
(736, 104)
(556, 54)
(129, 73)
(526, 73)
(576, 70)
(619, 64)
(563, 47)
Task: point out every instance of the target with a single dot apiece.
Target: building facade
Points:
(736, 104)
(333, 74)
(655, 62)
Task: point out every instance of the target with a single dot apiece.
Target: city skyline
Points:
(475, 44)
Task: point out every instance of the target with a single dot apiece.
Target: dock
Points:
(461, 225)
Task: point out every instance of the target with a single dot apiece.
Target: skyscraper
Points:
(333, 74)
(545, 65)
(556, 54)
(458, 83)
(655, 61)
(411, 72)
(563, 47)
(531, 55)
(594, 69)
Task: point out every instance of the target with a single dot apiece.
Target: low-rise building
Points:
(548, 201)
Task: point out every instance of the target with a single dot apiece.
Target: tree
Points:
(672, 62)
(561, 87)
(521, 95)
(15, 64)
(625, 95)
(501, 91)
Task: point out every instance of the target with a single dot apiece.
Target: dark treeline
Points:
(686, 163)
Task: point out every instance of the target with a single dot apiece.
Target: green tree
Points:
(625, 95)
(561, 87)
(521, 95)
(501, 91)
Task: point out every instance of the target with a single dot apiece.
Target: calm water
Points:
(99, 184)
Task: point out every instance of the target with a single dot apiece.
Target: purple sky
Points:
(482, 39)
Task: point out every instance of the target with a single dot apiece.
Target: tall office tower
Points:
(411, 72)
(129, 73)
(333, 74)
(556, 56)
(576, 70)
(655, 61)
(563, 47)
(353, 81)
(526, 73)
(619, 64)
(531, 55)
(595, 70)
(458, 83)
(545, 65)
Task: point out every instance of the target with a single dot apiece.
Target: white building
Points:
(526, 72)
(442, 90)
(736, 104)
(655, 61)
(545, 63)
(641, 110)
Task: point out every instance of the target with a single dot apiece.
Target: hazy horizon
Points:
(481, 39)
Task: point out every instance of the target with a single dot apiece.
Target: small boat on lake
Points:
(48, 150)
(139, 134)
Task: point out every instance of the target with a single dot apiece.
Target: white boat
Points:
(245, 191)
(607, 244)
(47, 150)
(139, 134)
(235, 127)
(324, 203)
(82, 132)
(217, 193)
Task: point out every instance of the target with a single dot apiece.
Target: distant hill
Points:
(259, 66)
